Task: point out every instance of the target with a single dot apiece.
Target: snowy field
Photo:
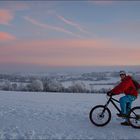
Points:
(25, 115)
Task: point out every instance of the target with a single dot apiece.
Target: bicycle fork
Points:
(102, 114)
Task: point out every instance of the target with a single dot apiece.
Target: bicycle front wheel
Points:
(134, 117)
(99, 115)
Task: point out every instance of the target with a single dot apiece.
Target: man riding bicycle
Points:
(127, 87)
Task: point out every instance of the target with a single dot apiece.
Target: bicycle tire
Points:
(134, 117)
(93, 120)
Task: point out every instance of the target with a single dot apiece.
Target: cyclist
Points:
(127, 87)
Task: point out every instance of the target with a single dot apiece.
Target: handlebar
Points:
(108, 96)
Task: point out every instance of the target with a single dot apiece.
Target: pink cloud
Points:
(5, 16)
(6, 37)
(7, 13)
(72, 52)
(47, 26)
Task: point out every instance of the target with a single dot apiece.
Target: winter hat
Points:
(122, 72)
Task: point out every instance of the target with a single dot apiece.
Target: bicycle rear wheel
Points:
(99, 115)
(134, 117)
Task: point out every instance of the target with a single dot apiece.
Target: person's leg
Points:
(128, 107)
(123, 102)
(130, 99)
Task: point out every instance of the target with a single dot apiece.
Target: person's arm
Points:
(121, 87)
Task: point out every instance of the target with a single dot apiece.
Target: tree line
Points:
(49, 85)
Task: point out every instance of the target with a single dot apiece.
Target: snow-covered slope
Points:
(56, 116)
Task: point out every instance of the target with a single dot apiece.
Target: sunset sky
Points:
(42, 34)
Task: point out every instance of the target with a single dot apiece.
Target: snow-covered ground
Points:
(25, 115)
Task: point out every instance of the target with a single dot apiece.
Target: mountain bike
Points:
(100, 115)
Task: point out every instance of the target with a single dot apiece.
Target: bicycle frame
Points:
(112, 100)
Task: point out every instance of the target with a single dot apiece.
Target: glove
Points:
(109, 93)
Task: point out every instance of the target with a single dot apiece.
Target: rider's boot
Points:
(122, 115)
(126, 123)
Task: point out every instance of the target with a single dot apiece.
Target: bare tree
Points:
(7, 85)
(36, 85)
(77, 87)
